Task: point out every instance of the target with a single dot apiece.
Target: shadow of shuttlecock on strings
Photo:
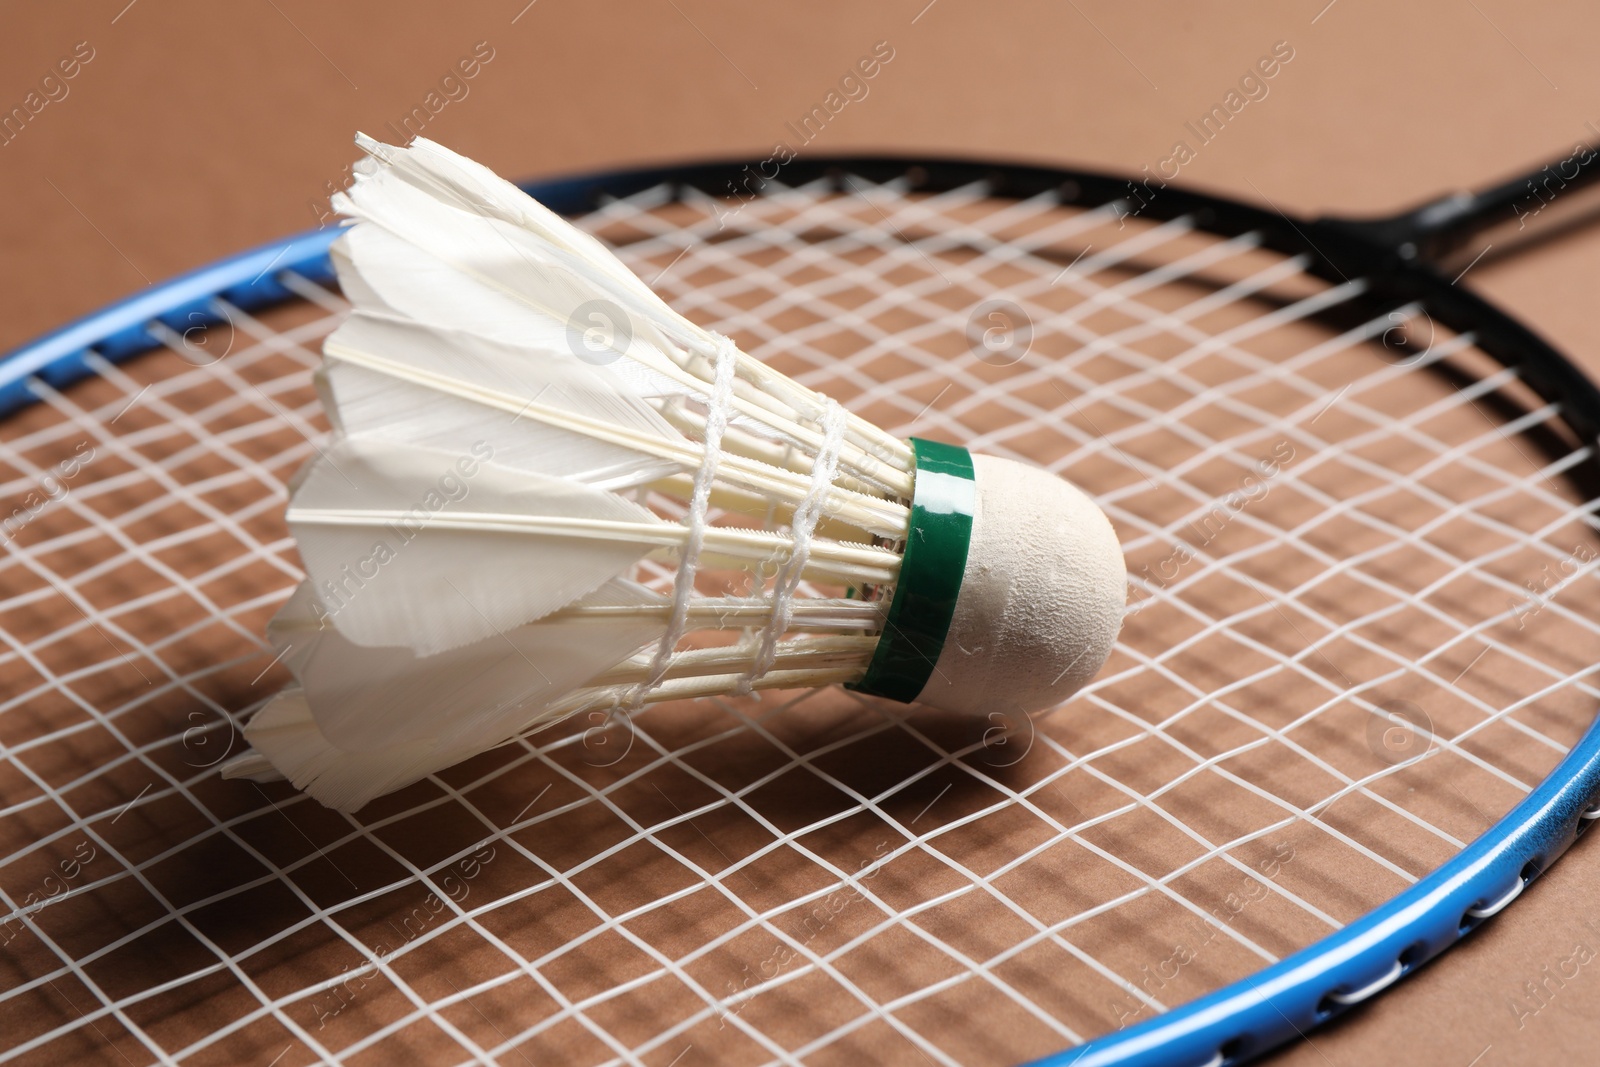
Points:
(759, 795)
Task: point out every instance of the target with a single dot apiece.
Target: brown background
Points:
(199, 129)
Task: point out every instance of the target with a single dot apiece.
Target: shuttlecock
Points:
(536, 469)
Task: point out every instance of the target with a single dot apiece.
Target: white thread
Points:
(803, 526)
(719, 404)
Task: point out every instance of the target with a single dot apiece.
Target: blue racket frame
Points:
(1302, 991)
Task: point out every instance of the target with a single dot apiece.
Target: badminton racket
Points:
(1346, 723)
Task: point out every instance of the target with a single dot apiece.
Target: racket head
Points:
(1045, 876)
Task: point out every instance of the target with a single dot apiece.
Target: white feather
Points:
(367, 697)
(491, 251)
(470, 185)
(286, 735)
(421, 548)
(362, 722)
(396, 380)
(385, 273)
(356, 289)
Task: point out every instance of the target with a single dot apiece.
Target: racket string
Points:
(776, 267)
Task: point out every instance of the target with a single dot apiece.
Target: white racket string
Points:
(780, 876)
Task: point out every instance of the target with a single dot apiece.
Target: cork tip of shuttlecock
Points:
(1042, 596)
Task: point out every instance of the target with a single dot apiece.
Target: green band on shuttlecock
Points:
(944, 496)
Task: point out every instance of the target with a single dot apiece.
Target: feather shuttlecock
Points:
(523, 430)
